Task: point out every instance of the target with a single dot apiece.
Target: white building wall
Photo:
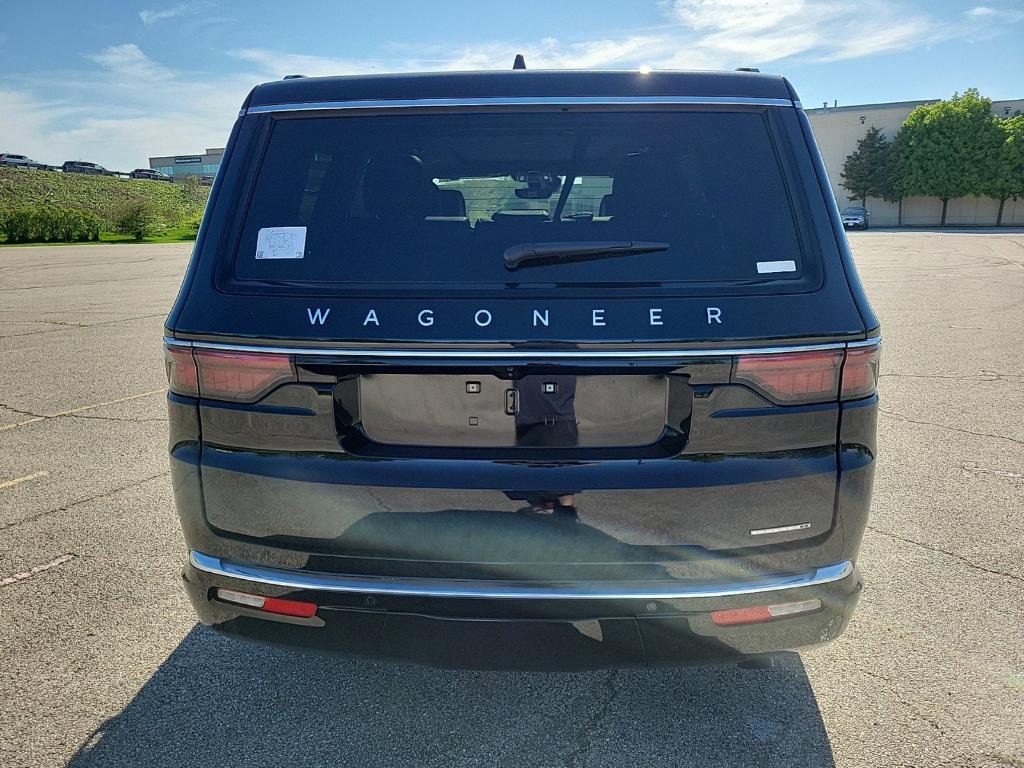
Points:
(837, 131)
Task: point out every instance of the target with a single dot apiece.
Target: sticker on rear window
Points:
(281, 243)
(767, 267)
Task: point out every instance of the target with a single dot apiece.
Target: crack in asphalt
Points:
(62, 325)
(907, 704)
(35, 418)
(582, 739)
(79, 502)
(963, 559)
(35, 570)
(113, 418)
(901, 417)
(982, 376)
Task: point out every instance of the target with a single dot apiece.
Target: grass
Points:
(104, 196)
(169, 235)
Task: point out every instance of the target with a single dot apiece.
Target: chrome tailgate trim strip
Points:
(505, 354)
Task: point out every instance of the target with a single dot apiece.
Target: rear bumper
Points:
(494, 624)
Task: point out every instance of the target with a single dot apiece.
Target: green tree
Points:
(950, 148)
(865, 171)
(892, 187)
(1007, 180)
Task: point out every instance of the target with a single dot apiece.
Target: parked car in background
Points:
(149, 173)
(81, 166)
(19, 161)
(855, 217)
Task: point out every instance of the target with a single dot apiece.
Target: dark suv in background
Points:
(81, 166)
(511, 370)
(149, 173)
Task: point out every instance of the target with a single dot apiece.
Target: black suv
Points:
(81, 166)
(513, 370)
(149, 173)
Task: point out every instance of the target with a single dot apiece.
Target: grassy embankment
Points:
(175, 207)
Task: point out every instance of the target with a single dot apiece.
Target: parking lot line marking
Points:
(25, 479)
(73, 411)
(14, 578)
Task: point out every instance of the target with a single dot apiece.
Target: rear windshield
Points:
(630, 198)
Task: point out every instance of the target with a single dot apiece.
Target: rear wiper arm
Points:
(517, 255)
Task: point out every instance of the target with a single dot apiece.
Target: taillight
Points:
(182, 378)
(812, 376)
(241, 376)
(860, 371)
(793, 377)
(226, 375)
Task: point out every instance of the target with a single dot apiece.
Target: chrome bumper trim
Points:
(478, 588)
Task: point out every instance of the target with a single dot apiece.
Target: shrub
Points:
(137, 218)
(102, 196)
(49, 223)
(193, 220)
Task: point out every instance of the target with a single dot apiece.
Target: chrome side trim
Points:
(502, 354)
(780, 529)
(522, 101)
(873, 341)
(477, 588)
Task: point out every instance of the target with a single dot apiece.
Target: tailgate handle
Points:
(511, 401)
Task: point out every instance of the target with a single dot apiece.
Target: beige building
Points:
(837, 131)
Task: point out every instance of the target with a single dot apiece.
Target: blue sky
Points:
(115, 82)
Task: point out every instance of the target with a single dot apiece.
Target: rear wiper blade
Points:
(517, 255)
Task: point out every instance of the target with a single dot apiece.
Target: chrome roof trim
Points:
(488, 589)
(522, 101)
(505, 354)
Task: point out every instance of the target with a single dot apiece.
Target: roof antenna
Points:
(520, 62)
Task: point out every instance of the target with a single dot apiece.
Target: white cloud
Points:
(819, 30)
(151, 17)
(129, 62)
(126, 107)
(120, 112)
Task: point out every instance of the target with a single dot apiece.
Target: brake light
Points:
(860, 371)
(226, 375)
(182, 377)
(241, 376)
(793, 377)
(813, 376)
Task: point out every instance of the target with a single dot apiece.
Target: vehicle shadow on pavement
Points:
(218, 701)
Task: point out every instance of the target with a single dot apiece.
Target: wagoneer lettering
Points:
(523, 352)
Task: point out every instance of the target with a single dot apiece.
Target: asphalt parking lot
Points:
(102, 663)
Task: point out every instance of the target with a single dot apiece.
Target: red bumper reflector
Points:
(758, 613)
(278, 605)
